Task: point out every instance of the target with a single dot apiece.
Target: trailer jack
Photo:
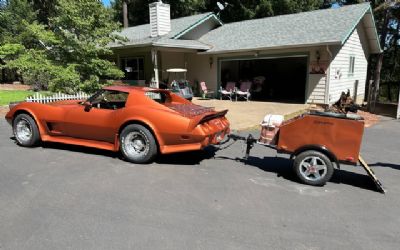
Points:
(371, 174)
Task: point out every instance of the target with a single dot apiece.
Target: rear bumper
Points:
(204, 135)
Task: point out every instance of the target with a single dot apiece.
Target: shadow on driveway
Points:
(186, 158)
(282, 167)
(383, 164)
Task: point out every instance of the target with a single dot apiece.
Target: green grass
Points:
(7, 96)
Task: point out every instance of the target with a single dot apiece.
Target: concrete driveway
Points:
(61, 197)
(244, 115)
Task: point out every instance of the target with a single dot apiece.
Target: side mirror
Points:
(88, 106)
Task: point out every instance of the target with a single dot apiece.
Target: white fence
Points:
(37, 97)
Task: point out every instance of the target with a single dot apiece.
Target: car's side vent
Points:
(53, 127)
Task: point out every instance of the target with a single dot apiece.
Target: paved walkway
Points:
(243, 115)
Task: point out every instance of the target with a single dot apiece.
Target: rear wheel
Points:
(137, 144)
(26, 131)
(313, 168)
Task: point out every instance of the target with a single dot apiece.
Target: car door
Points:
(96, 120)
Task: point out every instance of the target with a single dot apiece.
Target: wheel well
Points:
(144, 125)
(18, 112)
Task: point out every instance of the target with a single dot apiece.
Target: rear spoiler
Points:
(206, 117)
(213, 116)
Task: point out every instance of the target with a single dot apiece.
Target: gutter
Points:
(268, 48)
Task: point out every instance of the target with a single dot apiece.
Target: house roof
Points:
(328, 26)
(313, 28)
(140, 35)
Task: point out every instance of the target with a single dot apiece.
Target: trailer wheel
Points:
(313, 168)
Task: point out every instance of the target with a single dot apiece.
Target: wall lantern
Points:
(211, 61)
(317, 55)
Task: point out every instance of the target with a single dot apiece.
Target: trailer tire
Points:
(313, 168)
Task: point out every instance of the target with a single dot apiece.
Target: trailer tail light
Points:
(350, 158)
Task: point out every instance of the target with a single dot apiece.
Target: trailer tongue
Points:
(317, 141)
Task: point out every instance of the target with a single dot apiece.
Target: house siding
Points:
(316, 88)
(340, 78)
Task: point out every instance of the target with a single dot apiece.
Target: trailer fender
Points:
(319, 148)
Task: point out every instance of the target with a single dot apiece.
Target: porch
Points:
(287, 74)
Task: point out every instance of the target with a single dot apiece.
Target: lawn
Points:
(7, 96)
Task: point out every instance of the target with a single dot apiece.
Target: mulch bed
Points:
(3, 110)
(7, 86)
(369, 119)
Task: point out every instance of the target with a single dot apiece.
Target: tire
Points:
(26, 131)
(137, 144)
(313, 168)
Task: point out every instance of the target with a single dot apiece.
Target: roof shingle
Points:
(306, 28)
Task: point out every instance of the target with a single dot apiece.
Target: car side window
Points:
(109, 99)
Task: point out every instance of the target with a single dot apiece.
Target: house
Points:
(309, 57)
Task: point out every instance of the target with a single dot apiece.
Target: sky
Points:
(106, 2)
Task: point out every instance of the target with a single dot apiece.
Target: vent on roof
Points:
(160, 19)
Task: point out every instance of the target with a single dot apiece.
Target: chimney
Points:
(160, 19)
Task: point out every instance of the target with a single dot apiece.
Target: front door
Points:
(97, 122)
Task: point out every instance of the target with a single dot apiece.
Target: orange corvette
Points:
(140, 122)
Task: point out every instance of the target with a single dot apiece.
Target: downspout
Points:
(328, 75)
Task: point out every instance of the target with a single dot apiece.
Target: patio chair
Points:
(205, 91)
(244, 91)
(229, 90)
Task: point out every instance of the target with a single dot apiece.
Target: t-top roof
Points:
(327, 26)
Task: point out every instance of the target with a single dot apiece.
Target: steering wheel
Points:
(105, 104)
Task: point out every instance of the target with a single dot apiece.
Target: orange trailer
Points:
(317, 141)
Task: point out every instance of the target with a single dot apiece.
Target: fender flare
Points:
(146, 123)
(24, 110)
(319, 148)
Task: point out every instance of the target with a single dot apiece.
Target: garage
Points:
(277, 79)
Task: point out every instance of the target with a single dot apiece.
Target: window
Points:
(109, 99)
(351, 65)
(133, 68)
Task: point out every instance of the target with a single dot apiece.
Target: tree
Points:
(237, 10)
(69, 53)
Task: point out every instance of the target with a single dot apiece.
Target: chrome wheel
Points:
(313, 168)
(136, 144)
(23, 131)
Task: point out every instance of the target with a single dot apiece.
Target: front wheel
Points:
(313, 168)
(25, 130)
(137, 144)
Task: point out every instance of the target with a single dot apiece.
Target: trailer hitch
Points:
(250, 141)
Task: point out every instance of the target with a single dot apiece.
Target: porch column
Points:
(155, 81)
